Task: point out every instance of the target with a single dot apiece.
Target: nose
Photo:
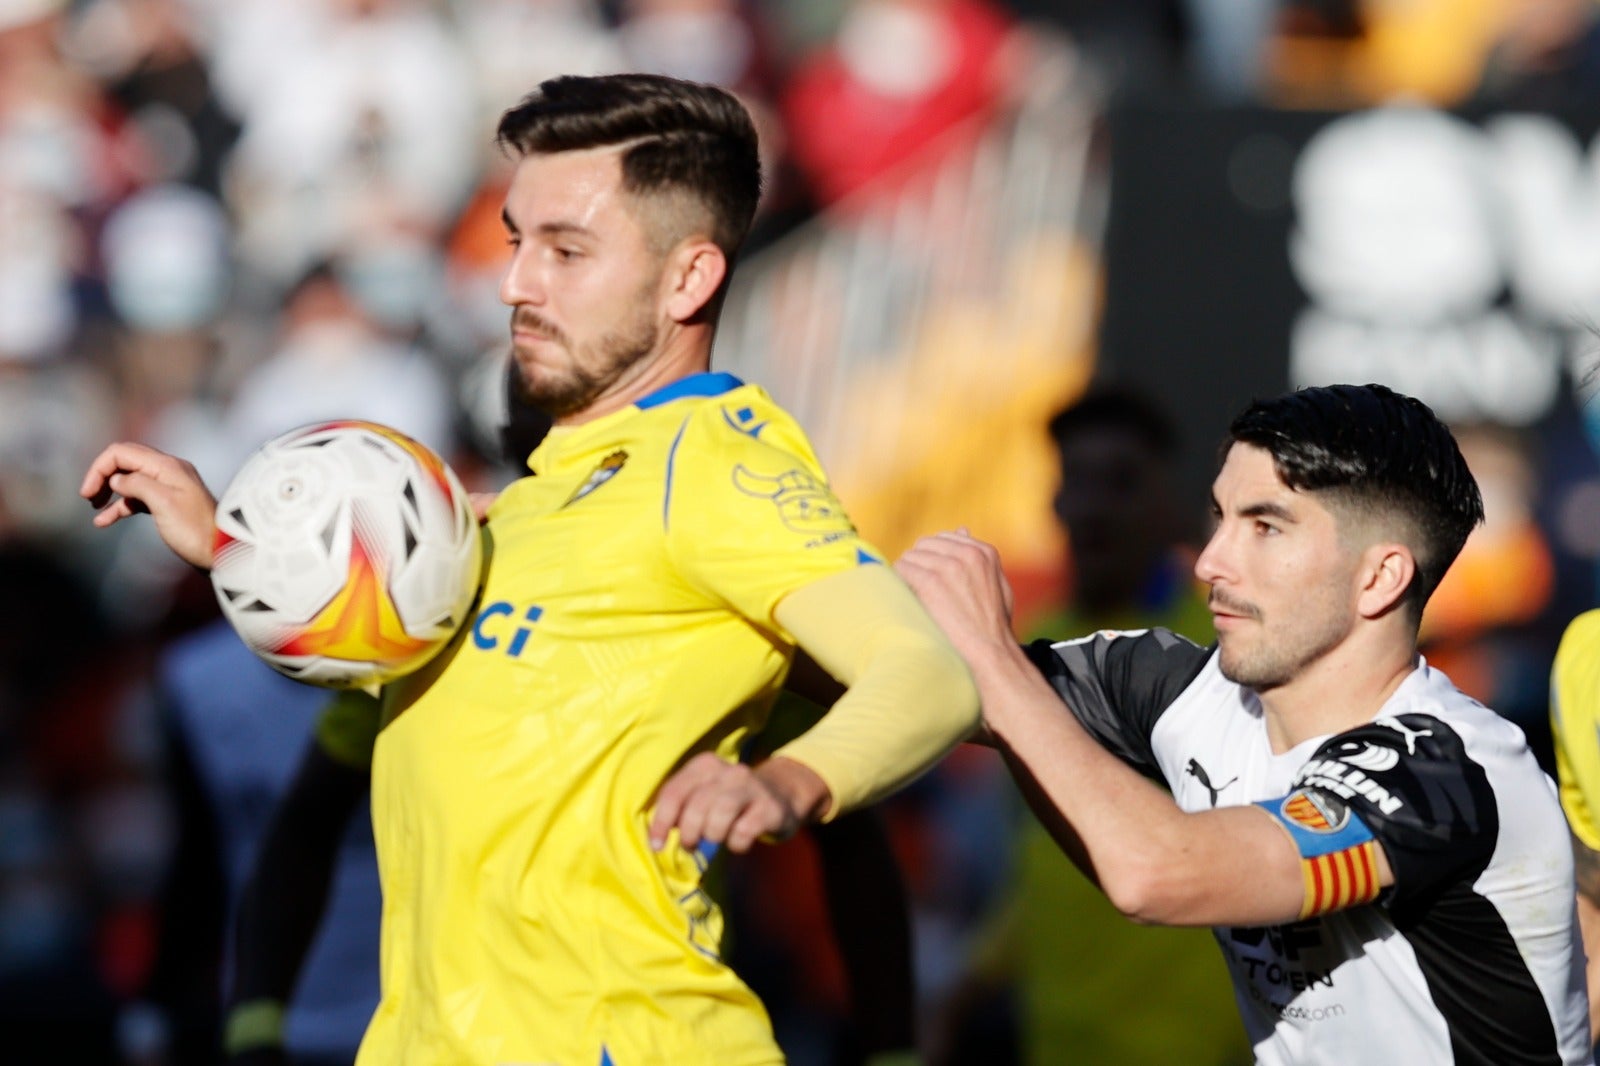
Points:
(1211, 565)
(519, 284)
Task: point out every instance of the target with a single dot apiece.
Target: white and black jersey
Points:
(1472, 955)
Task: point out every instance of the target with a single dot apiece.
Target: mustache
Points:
(1223, 602)
(525, 318)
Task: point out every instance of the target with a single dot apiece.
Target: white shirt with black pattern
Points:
(1472, 956)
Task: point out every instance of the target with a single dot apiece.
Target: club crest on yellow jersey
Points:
(609, 467)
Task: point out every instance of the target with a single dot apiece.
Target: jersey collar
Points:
(703, 384)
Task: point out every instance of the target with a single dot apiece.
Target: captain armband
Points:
(1338, 853)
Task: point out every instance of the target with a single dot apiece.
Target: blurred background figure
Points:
(1575, 723)
(899, 80)
(238, 732)
(1131, 555)
(364, 119)
(328, 336)
(1482, 622)
(1130, 567)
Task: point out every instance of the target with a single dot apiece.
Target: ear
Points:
(694, 271)
(1387, 571)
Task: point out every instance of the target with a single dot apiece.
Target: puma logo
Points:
(1198, 772)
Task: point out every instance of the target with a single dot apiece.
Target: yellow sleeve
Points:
(348, 728)
(1575, 724)
(909, 696)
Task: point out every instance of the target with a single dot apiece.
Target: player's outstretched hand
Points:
(960, 581)
(128, 479)
(725, 803)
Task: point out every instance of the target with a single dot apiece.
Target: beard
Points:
(591, 368)
(1283, 652)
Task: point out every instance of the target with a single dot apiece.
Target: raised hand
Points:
(959, 579)
(128, 479)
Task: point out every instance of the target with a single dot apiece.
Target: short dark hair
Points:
(677, 136)
(1107, 407)
(1383, 453)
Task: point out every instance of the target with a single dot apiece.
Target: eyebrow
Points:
(1265, 509)
(1268, 510)
(547, 228)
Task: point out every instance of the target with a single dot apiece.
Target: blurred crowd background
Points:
(223, 218)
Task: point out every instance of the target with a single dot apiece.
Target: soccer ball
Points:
(347, 554)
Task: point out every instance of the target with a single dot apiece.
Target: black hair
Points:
(1380, 451)
(1115, 408)
(677, 136)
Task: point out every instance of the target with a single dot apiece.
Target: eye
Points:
(1266, 529)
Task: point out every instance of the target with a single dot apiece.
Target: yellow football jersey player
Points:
(1575, 721)
(1575, 725)
(627, 621)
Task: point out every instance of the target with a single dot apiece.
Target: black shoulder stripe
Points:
(1119, 684)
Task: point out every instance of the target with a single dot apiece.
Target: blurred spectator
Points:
(1116, 451)
(1480, 624)
(1548, 56)
(515, 44)
(367, 114)
(900, 81)
(237, 732)
(333, 362)
(1139, 45)
(723, 42)
(149, 55)
(52, 418)
(63, 162)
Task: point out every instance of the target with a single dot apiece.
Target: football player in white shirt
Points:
(1381, 859)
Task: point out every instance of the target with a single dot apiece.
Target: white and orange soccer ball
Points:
(347, 554)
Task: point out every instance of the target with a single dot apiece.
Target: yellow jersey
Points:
(625, 623)
(1575, 725)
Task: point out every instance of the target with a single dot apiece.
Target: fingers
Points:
(711, 800)
(756, 822)
(115, 512)
(481, 502)
(139, 474)
(127, 479)
(672, 797)
(944, 560)
(120, 457)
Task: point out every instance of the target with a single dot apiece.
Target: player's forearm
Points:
(910, 697)
(1154, 861)
(912, 703)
